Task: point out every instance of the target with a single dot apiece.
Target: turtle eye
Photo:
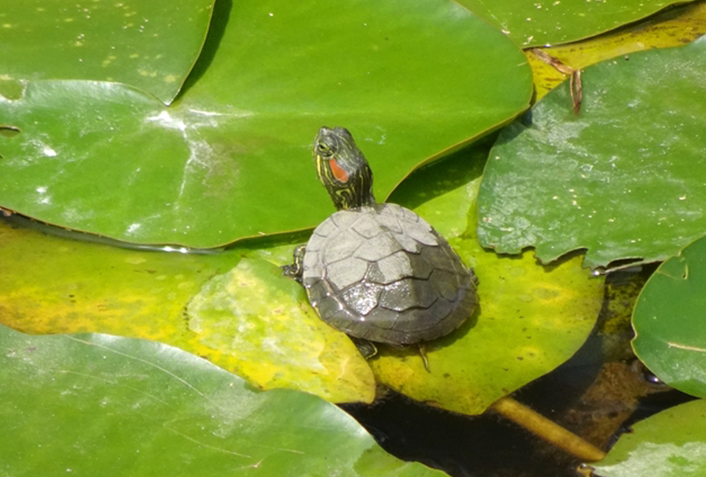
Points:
(323, 149)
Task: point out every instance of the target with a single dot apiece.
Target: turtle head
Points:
(343, 169)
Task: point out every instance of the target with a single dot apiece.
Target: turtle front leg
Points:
(296, 269)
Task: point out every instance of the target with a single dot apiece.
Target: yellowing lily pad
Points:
(56, 285)
(549, 22)
(672, 27)
(262, 319)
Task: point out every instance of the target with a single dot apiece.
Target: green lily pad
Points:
(231, 158)
(262, 319)
(54, 285)
(669, 444)
(669, 321)
(549, 22)
(151, 45)
(623, 179)
(104, 405)
(531, 318)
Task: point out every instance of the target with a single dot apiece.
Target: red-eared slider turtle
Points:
(378, 272)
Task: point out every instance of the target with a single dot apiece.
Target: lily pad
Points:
(549, 22)
(531, 318)
(151, 45)
(669, 444)
(669, 321)
(231, 158)
(623, 179)
(262, 319)
(55, 285)
(104, 405)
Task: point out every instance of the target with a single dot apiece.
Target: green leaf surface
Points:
(530, 319)
(151, 45)
(54, 285)
(669, 321)
(104, 405)
(669, 444)
(623, 179)
(549, 22)
(231, 158)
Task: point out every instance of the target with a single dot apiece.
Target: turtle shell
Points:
(382, 273)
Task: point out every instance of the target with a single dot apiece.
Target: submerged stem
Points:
(547, 430)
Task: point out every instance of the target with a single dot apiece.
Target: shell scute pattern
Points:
(410, 244)
(390, 221)
(394, 268)
(326, 228)
(365, 223)
(344, 220)
(344, 319)
(362, 297)
(317, 292)
(408, 293)
(424, 320)
(413, 226)
(446, 284)
(374, 274)
(385, 319)
(382, 273)
(338, 250)
(345, 273)
(329, 305)
(421, 265)
(378, 247)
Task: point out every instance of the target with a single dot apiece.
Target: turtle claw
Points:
(292, 271)
(423, 353)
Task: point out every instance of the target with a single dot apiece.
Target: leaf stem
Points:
(547, 429)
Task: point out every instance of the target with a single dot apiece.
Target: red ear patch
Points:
(340, 174)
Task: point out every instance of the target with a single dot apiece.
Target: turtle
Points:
(378, 271)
